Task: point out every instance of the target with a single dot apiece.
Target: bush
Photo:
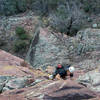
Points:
(24, 37)
(10, 7)
(20, 30)
(44, 7)
(59, 19)
(65, 22)
(74, 29)
(23, 40)
(2, 42)
(20, 45)
(22, 33)
(92, 6)
(21, 5)
(86, 9)
(24, 64)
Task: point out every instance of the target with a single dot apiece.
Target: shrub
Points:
(92, 6)
(65, 22)
(20, 45)
(24, 36)
(24, 64)
(23, 40)
(44, 7)
(86, 8)
(2, 42)
(10, 7)
(21, 5)
(22, 33)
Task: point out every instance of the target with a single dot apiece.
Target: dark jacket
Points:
(61, 71)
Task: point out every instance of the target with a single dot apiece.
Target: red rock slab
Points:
(62, 90)
(9, 59)
(11, 65)
(13, 97)
(55, 90)
(17, 71)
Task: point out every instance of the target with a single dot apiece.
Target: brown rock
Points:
(11, 65)
(67, 90)
(13, 97)
(8, 59)
(46, 89)
(55, 90)
(50, 69)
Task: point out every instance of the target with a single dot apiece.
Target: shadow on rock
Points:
(69, 97)
(67, 87)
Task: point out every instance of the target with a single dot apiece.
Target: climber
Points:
(63, 71)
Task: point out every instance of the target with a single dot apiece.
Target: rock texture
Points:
(91, 79)
(55, 90)
(12, 65)
(14, 97)
(24, 85)
(12, 74)
(7, 30)
(48, 49)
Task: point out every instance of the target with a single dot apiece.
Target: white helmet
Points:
(51, 77)
(71, 69)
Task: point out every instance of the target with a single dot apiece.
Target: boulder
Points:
(68, 90)
(3, 81)
(17, 83)
(91, 79)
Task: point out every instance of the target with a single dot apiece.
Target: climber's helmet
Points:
(71, 69)
(51, 77)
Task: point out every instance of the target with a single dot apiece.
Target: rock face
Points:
(46, 50)
(91, 79)
(6, 59)
(50, 49)
(68, 92)
(12, 66)
(13, 74)
(17, 82)
(14, 97)
(55, 90)
(8, 26)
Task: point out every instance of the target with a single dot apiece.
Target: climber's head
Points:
(59, 66)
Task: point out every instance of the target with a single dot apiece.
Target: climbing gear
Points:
(71, 69)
